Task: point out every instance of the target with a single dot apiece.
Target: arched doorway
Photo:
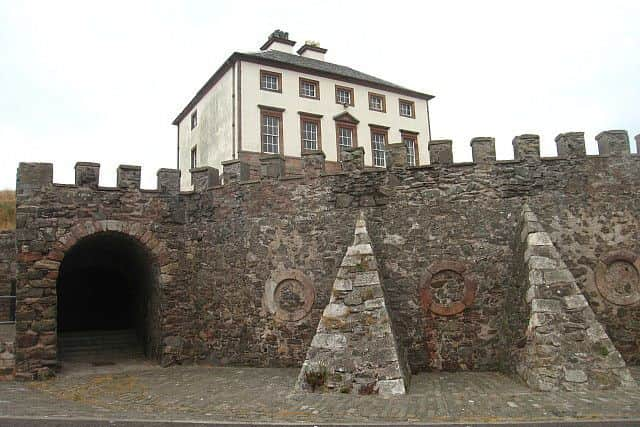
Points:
(107, 300)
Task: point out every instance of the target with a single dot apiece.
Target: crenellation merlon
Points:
(235, 171)
(571, 145)
(34, 174)
(168, 180)
(526, 147)
(483, 150)
(313, 163)
(272, 166)
(128, 177)
(204, 178)
(87, 174)
(441, 152)
(396, 156)
(613, 142)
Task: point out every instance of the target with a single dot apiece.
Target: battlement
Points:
(239, 257)
(526, 148)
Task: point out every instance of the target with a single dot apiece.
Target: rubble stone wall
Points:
(7, 273)
(594, 222)
(247, 268)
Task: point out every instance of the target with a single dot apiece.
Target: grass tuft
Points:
(7, 210)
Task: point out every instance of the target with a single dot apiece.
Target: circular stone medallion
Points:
(618, 277)
(447, 288)
(289, 295)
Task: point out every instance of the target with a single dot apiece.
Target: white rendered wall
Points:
(214, 133)
(291, 101)
(313, 54)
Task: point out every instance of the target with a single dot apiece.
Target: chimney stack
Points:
(312, 50)
(279, 40)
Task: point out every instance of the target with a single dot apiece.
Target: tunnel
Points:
(107, 303)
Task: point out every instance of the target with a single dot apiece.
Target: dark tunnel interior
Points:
(106, 283)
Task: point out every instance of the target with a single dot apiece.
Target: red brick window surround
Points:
(377, 102)
(271, 81)
(379, 136)
(271, 134)
(407, 108)
(346, 136)
(309, 88)
(310, 132)
(344, 95)
(410, 141)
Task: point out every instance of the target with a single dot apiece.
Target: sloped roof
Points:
(303, 64)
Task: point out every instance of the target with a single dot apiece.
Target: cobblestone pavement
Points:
(202, 393)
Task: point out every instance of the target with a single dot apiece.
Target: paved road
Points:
(41, 422)
(253, 395)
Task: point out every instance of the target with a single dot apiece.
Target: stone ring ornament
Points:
(289, 295)
(447, 288)
(618, 277)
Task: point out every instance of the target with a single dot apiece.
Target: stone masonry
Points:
(7, 303)
(354, 348)
(244, 271)
(565, 345)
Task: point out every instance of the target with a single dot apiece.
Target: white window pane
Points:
(378, 147)
(411, 151)
(271, 134)
(345, 137)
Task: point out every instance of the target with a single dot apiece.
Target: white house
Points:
(278, 102)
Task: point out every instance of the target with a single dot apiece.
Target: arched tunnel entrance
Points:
(107, 300)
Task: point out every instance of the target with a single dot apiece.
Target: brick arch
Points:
(140, 232)
(37, 348)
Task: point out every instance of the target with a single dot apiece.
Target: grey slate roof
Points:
(313, 66)
(323, 66)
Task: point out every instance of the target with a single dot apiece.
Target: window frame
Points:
(278, 77)
(384, 102)
(410, 103)
(193, 157)
(194, 119)
(271, 112)
(354, 135)
(407, 134)
(379, 130)
(352, 101)
(316, 83)
(310, 118)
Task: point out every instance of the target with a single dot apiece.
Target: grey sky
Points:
(102, 81)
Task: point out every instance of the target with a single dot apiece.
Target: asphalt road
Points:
(48, 422)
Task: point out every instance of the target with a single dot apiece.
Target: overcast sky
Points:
(102, 81)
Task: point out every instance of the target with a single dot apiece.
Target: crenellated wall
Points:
(246, 268)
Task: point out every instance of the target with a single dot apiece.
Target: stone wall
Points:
(7, 351)
(593, 221)
(247, 268)
(7, 274)
(7, 305)
(563, 347)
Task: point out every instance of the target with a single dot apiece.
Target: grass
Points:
(7, 210)
(316, 378)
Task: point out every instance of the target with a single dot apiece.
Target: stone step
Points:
(88, 345)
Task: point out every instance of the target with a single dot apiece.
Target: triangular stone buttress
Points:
(354, 349)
